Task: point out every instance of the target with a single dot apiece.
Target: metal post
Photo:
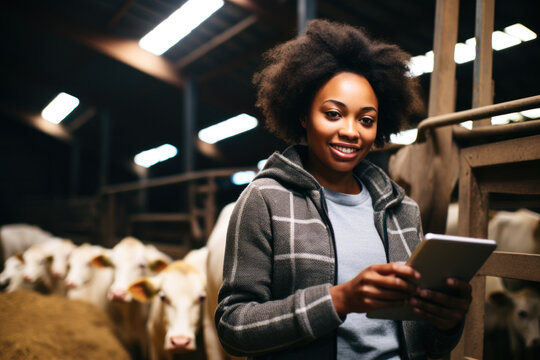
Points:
(190, 107)
(75, 165)
(105, 148)
(306, 11)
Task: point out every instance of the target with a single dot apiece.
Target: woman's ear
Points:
(303, 121)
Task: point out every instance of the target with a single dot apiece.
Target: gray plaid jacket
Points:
(280, 263)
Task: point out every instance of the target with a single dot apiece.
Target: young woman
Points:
(319, 237)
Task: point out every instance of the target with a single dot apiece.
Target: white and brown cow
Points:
(131, 259)
(11, 278)
(176, 295)
(85, 281)
(45, 265)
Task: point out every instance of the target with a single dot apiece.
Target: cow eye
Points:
(202, 298)
(164, 298)
(142, 265)
(522, 314)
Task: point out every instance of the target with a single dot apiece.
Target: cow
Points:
(512, 322)
(516, 231)
(214, 278)
(17, 238)
(176, 295)
(131, 259)
(11, 278)
(45, 265)
(85, 281)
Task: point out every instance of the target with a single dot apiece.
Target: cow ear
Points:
(19, 256)
(101, 261)
(158, 265)
(502, 300)
(142, 290)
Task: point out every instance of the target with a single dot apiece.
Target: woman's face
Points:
(341, 125)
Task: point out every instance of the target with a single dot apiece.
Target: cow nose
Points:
(56, 274)
(71, 285)
(119, 295)
(182, 343)
(27, 278)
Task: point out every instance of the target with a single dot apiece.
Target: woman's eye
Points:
(367, 120)
(332, 114)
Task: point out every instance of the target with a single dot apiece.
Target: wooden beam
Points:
(276, 15)
(81, 120)
(215, 42)
(35, 121)
(483, 63)
(120, 13)
(126, 51)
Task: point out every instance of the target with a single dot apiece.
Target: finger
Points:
(375, 304)
(444, 300)
(397, 269)
(464, 288)
(375, 292)
(437, 321)
(436, 311)
(390, 282)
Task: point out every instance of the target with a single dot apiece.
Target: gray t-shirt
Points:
(359, 245)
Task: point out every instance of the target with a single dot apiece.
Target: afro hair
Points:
(295, 70)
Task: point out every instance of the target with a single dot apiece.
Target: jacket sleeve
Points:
(248, 319)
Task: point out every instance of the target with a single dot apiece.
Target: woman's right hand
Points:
(376, 287)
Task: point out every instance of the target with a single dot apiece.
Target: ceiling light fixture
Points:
(521, 32)
(151, 157)
(61, 106)
(464, 52)
(243, 177)
(179, 24)
(228, 128)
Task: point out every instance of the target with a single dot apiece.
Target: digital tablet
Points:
(437, 258)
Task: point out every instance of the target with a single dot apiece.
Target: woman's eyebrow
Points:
(339, 103)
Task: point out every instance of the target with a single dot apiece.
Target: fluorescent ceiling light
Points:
(179, 24)
(512, 35)
(464, 52)
(404, 137)
(151, 157)
(532, 113)
(228, 128)
(261, 164)
(506, 118)
(421, 64)
(61, 106)
(521, 32)
(501, 40)
(242, 177)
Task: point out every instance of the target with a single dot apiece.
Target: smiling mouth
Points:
(346, 150)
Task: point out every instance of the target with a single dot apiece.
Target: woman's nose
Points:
(348, 129)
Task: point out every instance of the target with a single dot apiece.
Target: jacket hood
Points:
(288, 169)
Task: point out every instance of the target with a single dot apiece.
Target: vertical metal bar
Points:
(483, 63)
(75, 167)
(306, 10)
(190, 107)
(105, 122)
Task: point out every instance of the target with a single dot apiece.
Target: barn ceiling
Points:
(89, 48)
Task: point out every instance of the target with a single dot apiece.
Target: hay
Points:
(35, 327)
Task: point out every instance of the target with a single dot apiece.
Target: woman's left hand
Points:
(444, 311)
